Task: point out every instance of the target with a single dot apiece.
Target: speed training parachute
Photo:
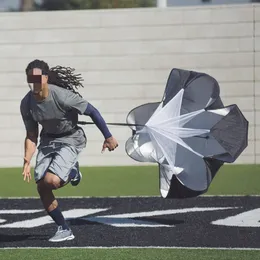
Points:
(190, 134)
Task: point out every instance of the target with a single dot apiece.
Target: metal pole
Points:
(26, 5)
(161, 3)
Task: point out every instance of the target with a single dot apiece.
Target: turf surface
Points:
(133, 181)
(128, 254)
(135, 222)
(137, 181)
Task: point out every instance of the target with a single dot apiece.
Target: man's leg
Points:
(67, 160)
(59, 162)
(45, 187)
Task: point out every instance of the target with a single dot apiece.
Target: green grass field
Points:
(134, 181)
(128, 254)
(127, 181)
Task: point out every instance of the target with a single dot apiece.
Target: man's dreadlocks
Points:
(59, 76)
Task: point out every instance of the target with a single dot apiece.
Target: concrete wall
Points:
(125, 57)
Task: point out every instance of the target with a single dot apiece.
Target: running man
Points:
(54, 103)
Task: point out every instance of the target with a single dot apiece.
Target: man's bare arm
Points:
(30, 145)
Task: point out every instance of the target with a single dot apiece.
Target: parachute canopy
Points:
(190, 134)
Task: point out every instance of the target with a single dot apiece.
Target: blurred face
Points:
(36, 80)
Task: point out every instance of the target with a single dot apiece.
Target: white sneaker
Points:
(62, 235)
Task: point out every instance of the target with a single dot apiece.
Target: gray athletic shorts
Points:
(57, 158)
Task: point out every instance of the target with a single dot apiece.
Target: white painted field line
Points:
(139, 247)
(103, 197)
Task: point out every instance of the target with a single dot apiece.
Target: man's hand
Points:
(27, 171)
(110, 143)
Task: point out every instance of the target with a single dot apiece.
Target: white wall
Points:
(209, 2)
(125, 57)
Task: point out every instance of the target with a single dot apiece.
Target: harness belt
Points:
(74, 130)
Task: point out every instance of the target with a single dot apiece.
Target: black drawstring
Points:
(126, 124)
(119, 124)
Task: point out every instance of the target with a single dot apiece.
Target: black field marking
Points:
(136, 222)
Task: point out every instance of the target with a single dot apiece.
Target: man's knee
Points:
(50, 181)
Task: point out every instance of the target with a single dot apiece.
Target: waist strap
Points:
(74, 130)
